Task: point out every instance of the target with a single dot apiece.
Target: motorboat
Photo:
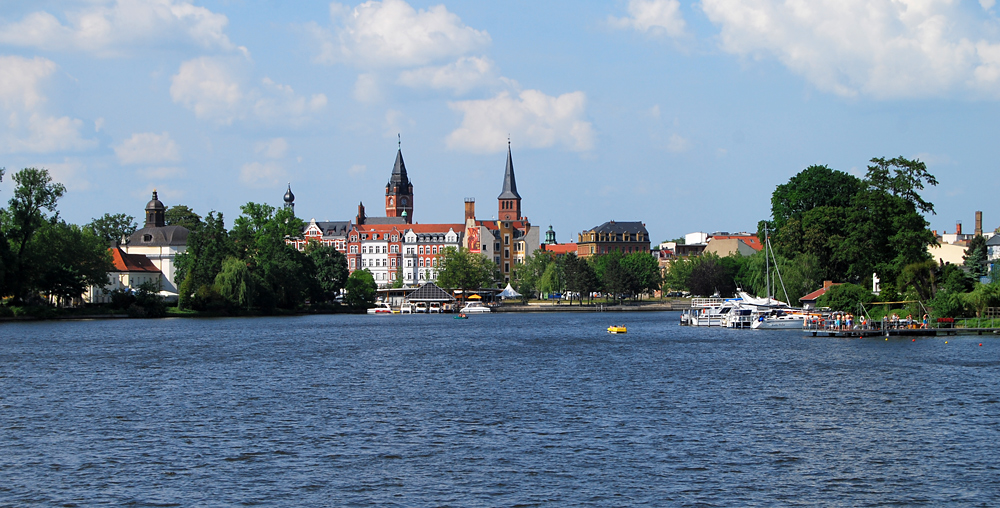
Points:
(406, 308)
(779, 319)
(434, 307)
(380, 308)
(420, 308)
(617, 329)
(475, 308)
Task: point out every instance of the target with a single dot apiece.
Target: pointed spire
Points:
(398, 177)
(509, 184)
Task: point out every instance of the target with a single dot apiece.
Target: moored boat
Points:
(380, 308)
(475, 308)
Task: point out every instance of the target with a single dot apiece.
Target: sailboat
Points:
(773, 314)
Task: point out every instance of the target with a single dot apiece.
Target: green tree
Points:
(845, 297)
(982, 296)
(551, 280)
(34, 195)
(331, 269)
(920, 279)
(259, 234)
(237, 284)
(975, 257)
(813, 187)
(528, 275)
(644, 270)
(580, 277)
(361, 289)
(113, 228)
(209, 244)
(66, 260)
(461, 269)
(181, 215)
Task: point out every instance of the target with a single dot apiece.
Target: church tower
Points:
(155, 212)
(509, 206)
(290, 199)
(399, 192)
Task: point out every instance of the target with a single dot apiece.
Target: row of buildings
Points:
(392, 247)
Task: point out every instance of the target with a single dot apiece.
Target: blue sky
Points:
(684, 115)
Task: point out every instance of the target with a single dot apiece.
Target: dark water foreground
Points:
(499, 410)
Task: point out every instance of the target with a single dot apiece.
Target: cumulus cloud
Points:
(273, 148)
(110, 28)
(367, 89)
(538, 119)
(70, 172)
(147, 148)
(392, 33)
(262, 175)
(678, 144)
(219, 90)
(652, 16)
(460, 76)
(30, 126)
(881, 48)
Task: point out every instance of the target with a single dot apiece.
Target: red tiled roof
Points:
(131, 262)
(750, 240)
(559, 248)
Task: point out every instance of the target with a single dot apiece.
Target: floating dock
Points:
(903, 332)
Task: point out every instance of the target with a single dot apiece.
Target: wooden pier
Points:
(903, 332)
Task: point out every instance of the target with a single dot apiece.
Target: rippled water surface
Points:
(497, 410)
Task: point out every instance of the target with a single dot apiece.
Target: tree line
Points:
(829, 225)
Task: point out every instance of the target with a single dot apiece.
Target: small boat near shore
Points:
(475, 308)
(617, 329)
(380, 308)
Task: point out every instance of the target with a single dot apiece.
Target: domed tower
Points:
(155, 213)
(290, 199)
(550, 236)
(399, 192)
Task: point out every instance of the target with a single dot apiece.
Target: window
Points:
(435, 249)
(496, 246)
(496, 259)
(506, 253)
(354, 249)
(352, 264)
(420, 250)
(434, 263)
(421, 262)
(506, 239)
(393, 262)
(395, 249)
(364, 236)
(147, 238)
(506, 267)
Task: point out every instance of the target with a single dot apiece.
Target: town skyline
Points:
(676, 114)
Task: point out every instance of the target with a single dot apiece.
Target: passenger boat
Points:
(475, 308)
(380, 308)
(617, 329)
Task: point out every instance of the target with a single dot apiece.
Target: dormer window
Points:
(147, 238)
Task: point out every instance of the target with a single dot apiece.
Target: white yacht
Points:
(380, 308)
(475, 308)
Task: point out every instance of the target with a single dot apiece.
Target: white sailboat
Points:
(774, 314)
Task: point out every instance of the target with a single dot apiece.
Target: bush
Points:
(845, 297)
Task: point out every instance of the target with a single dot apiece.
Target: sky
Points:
(682, 115)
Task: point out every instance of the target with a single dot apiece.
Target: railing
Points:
(707, 302)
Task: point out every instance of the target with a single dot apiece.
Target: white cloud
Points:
(460, 76)
(147, 148)
(70, 172)
(987, 4)
(262, 175)
(162, 173)
(273, 148)
(652, 16)
(218, 89)
(29, 125)
(392, 33)
(881, 48)
(357, 170)
(111, 28)
(678, 144)
(535, 119)
(366, 88)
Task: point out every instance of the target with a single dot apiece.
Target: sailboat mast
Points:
(767, 264)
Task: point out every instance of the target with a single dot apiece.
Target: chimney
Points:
(958, 228)
(827, 284)
(470, 208)
(934, 232)
(979, 223)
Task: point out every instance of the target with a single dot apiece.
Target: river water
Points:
(496, 410)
